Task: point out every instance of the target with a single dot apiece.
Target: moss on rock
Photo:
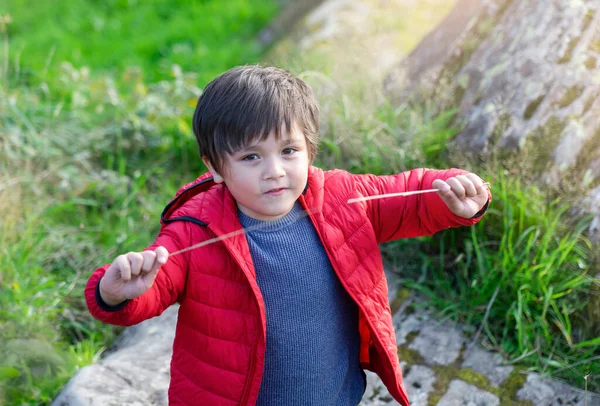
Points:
(507, 392)
(587, 20)
(572, 94)
(588, 154)
(588, 103)
(474, 378)
(538, 153)
(569, 52)
(532, 107)
(510, 387)
(453, 92)
(590, 63)
(409, 356)
(401, 296)
(444, 374)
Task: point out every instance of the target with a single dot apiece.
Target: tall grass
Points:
(75, 191)
(521, 276)
(62, 216)
(44, 335)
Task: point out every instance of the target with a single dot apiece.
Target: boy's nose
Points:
(273, 169)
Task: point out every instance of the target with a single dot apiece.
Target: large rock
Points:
(352, 40)
(526, 78)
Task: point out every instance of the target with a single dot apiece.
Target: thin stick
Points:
(203, 243)
(232, 234)
(414, 192)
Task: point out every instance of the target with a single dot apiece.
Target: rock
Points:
(525, 76)
(361, 39)
(406, 324)
(376, 394)
(542, 392)
(135, 371)
(462, 394)
(509, 68)
(289, 16)
(418, 381)
(439, 344)
(591, 203)
(486, 363)
(423, 65)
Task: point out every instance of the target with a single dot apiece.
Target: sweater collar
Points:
(274, 225)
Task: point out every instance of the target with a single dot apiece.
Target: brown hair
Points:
(248, 102)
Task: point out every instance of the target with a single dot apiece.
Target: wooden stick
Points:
(414, 192)
(233, 233)
(203, 243)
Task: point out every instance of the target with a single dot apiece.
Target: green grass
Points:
(48, 249)
(200, 36)
(522, 276)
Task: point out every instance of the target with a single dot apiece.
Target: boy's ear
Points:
(217, 178)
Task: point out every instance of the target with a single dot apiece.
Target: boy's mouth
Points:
(275, 192)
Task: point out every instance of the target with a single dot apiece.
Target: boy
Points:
(291, 311)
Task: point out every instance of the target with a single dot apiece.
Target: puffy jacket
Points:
(219, 346)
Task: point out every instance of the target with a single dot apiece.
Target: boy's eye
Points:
(289, 151)
(250, 157)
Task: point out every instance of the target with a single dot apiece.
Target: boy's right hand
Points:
(130, 275)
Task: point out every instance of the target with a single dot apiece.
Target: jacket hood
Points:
(175, 211)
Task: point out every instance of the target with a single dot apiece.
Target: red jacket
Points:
(219, 346)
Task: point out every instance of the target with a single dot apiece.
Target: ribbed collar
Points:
(274, 225)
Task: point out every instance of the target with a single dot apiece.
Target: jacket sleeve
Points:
(410, 216)
(167, 289)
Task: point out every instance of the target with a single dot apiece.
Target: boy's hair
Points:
(248, 102)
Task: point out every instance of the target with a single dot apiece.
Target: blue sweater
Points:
(312, 354)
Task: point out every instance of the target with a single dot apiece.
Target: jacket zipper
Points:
(248, 386)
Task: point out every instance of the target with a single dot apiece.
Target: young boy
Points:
(292, 310)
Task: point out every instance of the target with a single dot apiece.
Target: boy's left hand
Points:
(465, 195)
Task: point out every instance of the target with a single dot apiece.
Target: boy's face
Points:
(267, 177)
